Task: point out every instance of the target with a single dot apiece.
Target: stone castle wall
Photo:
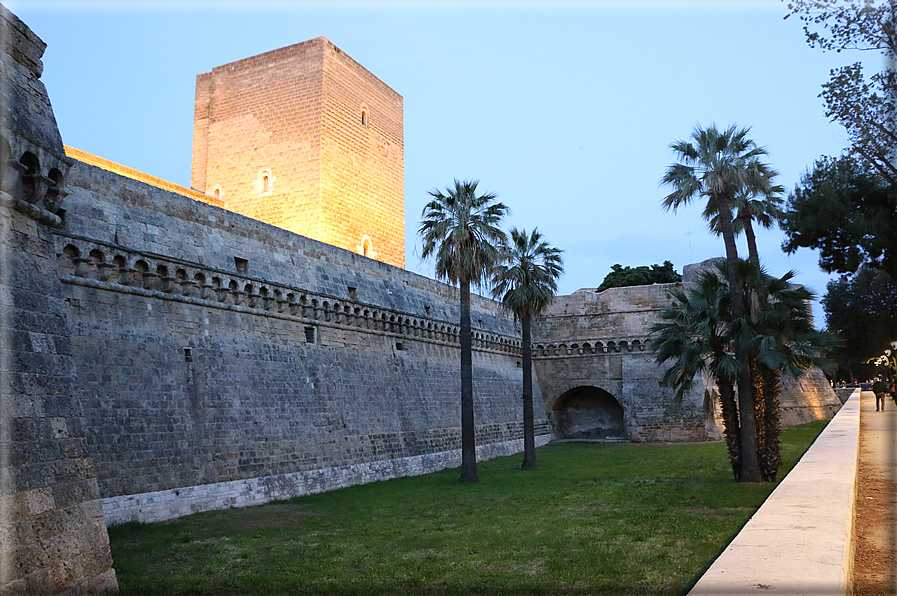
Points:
(162, 356)
(603, 340)
(52, 534)
(221, 361)
(598, 345)
(320, 131)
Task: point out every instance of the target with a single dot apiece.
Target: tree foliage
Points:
(643, 275)
(701, 332)
(862, 309)
(719, 166)
(695, 335)
(525, 277)
(754, 205)
(461, 230)
(844, 209)
(866, 107)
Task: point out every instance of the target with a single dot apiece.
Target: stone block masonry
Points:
(597, 372)
(306, 139)
(593, 355)
(161, 355)
(52, 534)
(221, 361)
(173, 503)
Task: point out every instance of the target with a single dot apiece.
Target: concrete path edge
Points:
(800, 541)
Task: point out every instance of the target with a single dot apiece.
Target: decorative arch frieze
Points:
(93, 263)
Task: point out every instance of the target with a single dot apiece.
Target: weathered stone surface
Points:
(52, 539)
(596, 369)
(305, 138)
(162, 356)
(181, 391)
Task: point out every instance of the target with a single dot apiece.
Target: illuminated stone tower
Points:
(306, 139)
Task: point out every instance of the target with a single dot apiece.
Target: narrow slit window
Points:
(366, 248)
(264, 181)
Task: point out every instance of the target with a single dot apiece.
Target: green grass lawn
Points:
(591, 519)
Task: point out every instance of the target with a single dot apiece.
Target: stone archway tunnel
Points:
(589, 412)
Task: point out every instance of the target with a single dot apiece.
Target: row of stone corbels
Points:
(585, 348)
(89, 259)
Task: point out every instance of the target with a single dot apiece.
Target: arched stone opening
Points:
(589, 413)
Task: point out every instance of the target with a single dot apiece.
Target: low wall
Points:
(801, 540)
(174, 503)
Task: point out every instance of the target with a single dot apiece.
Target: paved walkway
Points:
(799, 541)
(875, 566)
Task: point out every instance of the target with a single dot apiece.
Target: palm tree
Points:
(696, 336)
(525, 282)
(460, 229)
(718, 165)
(783, 341)
(701, 330)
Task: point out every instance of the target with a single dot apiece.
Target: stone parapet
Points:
(114, 268)
(106, 164)
(572, 347)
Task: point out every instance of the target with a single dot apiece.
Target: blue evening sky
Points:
(566, 109)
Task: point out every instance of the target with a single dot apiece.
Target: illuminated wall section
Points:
(306, 139)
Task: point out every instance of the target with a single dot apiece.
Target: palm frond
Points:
(525, 278)
(460, 229)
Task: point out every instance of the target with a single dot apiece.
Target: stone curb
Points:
(800, 541)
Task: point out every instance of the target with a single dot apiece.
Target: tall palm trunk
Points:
(771, 454)
(468, 433)
(753, 255)
(766, 397)
(529, 432)
(759, 411)
(750, 468)
(730, 424)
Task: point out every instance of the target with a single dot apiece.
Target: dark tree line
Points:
(846, 207)
(862, 309)
(643, 275)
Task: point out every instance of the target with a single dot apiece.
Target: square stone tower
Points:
(306, 139)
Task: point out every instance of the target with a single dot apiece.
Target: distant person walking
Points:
(878, 388)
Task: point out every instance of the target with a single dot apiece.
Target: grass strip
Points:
(591, 519)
